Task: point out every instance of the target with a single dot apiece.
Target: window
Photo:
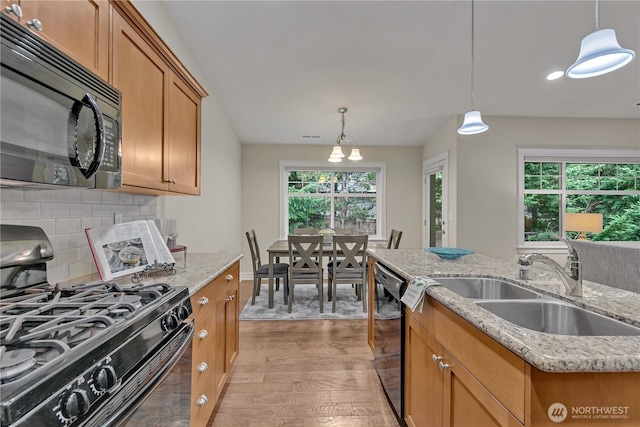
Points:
(593, 181)
(321, 196)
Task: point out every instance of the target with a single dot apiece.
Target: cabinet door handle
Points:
(203, 301)
(229, 277)
(231, 297)
(203, 334)
(15, 9)
(436, 359)
(170, 181)
(35, 24)
(203, 367)
(443, 366)
(202, 400)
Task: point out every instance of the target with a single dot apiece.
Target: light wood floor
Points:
(303, 374)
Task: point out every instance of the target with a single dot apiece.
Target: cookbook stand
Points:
(152, 268)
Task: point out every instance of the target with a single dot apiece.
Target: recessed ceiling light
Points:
(555, 75)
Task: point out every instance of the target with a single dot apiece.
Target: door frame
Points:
(439, 163)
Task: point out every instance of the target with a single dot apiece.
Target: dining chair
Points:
(301, 231)
(392, 243)
(351, 269)
(394, 239)
(261, 271)
(305, 268)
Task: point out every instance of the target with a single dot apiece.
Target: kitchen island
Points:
(471, 366)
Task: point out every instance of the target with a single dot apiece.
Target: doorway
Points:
(435, 185)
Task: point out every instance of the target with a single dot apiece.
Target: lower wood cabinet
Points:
(423, 378)
(455, 375)
(215, 343)
(440, 390)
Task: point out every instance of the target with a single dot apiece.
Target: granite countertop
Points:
(547, 352)
(194, 272)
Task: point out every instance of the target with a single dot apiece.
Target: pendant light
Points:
(473, 123)
(337, 154)
(600, 53)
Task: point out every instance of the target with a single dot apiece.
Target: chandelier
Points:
(337, 154)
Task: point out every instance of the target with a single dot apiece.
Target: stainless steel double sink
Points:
(532, 310)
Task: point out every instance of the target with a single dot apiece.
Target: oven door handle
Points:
(120, 417)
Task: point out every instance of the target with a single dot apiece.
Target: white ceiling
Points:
(281, 69)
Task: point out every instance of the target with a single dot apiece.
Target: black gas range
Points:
(85, 355)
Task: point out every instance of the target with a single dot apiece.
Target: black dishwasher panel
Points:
(389, 336)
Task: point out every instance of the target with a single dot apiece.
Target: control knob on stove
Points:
(182, 312)
(104, 378)
(74, 403)
(170, 322)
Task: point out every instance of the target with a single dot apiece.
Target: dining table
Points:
(280, 248)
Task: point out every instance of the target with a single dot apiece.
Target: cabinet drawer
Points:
(202, 382)
(204, 349)
(230, 276)
(500, 371)
(205, 299)
(200, 410)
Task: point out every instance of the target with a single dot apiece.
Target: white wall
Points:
(260, 169)
(211, 221)
(487, 193)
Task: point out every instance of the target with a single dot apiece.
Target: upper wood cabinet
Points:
(183, 148)
(161, 101)
(143, 78)
(161, 108)
(80, 28)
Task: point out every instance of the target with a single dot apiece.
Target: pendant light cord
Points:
(342, 135)
(473, 101)
(598, 15)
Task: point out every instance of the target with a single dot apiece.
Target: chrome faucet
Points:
(572, 279)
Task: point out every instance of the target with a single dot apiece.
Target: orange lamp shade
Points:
(583, 222)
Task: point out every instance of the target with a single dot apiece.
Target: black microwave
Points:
(61, 123)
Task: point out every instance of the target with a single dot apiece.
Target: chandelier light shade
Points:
(600, 53)
(336, 154)
(473, 123)
(355, 154)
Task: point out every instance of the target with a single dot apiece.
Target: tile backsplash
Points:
(64, 215)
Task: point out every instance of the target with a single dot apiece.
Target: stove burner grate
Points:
(16, 362)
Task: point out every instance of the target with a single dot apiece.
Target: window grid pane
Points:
(541, 175)
(313, 193)
(602, 176)
(610, 188)
(541, 217)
